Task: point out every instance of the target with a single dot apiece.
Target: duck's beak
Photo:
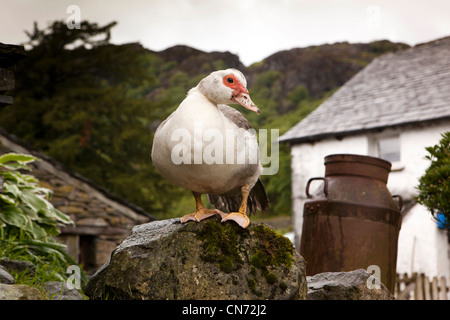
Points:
(243, 98)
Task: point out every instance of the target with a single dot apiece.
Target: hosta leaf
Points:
(21, 158)
(9, 176)
(13, 216)
(29, 179)
(7, 199)
(23, 180)
(11, 189)
(46, 193)
(50, 229)
(42, 206)
(62, 217)
(15, 166)
(30, 212)
(37, 231)
(35, 202)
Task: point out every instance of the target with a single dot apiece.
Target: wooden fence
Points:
(420, 287)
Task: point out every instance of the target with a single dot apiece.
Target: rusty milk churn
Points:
(353, 221)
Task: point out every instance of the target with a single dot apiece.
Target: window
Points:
(388, 148)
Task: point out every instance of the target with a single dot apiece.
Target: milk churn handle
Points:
(325, 186)
(400, 201)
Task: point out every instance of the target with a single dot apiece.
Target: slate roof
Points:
(396, 89)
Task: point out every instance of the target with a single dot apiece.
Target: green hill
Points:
(95, 106)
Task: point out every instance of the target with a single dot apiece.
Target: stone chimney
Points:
(9, 56)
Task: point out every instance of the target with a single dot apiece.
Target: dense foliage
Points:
(24, 208)
(434, 185)
(28, 222)
(95, 106)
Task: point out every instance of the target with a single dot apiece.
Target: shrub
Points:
(28, 221)
(434, 185)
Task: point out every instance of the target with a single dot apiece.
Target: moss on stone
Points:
(251, 284)
(257, 261)
(283, 286)
(273, 249)
(221, 244)
(271, 278)
(227, 264)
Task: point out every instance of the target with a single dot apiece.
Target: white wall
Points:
(422, 247)
(307, 160)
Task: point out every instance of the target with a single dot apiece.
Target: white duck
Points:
(200, 147)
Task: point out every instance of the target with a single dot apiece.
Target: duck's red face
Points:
(240, 93)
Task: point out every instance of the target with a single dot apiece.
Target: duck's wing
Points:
(234, 116)
(258, 198)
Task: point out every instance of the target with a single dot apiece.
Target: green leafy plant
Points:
(28, 221)
(434, 185)
(24, 206)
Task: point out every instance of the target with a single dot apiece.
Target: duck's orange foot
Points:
(238, 217)
(201, 214)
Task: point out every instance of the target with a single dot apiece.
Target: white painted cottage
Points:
(394, 108)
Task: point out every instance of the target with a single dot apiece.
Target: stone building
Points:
(102, 219)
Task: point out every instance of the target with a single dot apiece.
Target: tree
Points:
(58, 36)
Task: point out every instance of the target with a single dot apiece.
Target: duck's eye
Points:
(230, 80)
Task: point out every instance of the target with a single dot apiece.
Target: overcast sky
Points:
(252, 29)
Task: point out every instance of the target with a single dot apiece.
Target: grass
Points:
(49, 263)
